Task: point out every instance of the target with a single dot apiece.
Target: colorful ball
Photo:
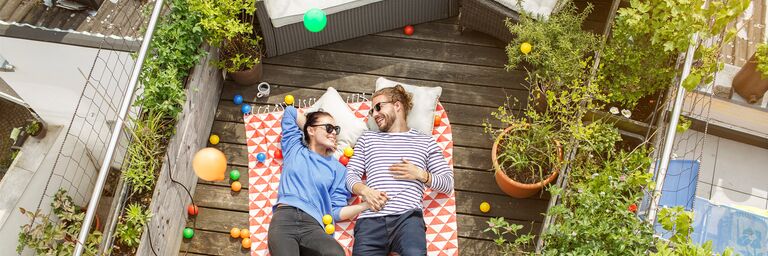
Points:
(238, 99)
(315, 20)
(288, 99)
(189, 233)
(438, 120)
(244, 233)
(344, 160)
(214, 139)
(329, 229)
(192, 210)
(278, 154)
(234, 232)
(209, 164)
(234, 175)
(526, 48)
(246, 243)
(236, 186)
(327, 219)
(246, 109)
(348, 152)
(261, 157)
(408, 30)
(485, 207)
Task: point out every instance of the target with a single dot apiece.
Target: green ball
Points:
(189, 233)
(315, 20)
(234, 175)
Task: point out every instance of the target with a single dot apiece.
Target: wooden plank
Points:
(400, 68)
(463, 157)
(501, 206)
(221, 198)
(477, 247)
(293, 78)
(422, 50)
(449, 33)
(213, 243)
(458, 114)
(473, 227)
(469, 136)
(451, 20)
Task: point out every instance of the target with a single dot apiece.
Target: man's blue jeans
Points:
(404, 234)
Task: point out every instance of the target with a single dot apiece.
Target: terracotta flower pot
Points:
(748, 82)
(512, 187)
(248, 77)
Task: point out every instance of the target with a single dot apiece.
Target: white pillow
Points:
(351, 126)
(538, 9)
(422, 115)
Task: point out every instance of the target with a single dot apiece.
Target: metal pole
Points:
(672, 129)
(96, 194)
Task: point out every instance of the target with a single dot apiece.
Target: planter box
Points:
(170, 200)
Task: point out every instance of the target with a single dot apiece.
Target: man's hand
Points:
(376, 199)
(407, 171)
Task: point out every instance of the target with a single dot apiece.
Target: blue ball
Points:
(238, 99)
(261, 157)
(246, 109)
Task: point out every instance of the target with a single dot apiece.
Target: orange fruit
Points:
(244, 233)
(246, 243)
(234, 232)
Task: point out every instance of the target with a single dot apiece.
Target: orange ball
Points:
(235, 232)
(210, 164)
(236, 186)
(438, 120)
(244, 233)
(246, 243)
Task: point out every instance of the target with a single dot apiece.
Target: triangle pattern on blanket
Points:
(263, 136)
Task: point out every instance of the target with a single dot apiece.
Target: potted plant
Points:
(241, 58)
(750, 82)
(35, 129)
(527, 154)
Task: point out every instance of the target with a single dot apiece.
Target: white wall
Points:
(50, 77)
(731, 172)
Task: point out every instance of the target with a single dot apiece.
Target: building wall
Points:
(731, 172)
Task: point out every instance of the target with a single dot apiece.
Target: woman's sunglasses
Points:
(377, 107)
(329, 128)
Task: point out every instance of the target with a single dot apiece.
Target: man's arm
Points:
(438, 175)
(355, 172)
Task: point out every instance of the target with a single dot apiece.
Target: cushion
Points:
(538, 9)
(286, 12)
(422, 115)
(351, 126)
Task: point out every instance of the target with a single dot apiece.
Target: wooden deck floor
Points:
(469, 68)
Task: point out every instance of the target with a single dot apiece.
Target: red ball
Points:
(344, 160)
(192, 209)
(278, 154)
(408, 30)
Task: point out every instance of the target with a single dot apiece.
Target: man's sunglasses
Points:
(377, 107)
(329, 128)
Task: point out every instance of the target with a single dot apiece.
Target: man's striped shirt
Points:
(376, 152)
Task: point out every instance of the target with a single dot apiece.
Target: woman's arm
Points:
(291, 133)
(348, 212)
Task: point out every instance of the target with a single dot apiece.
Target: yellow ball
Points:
(327, 219)
(485, 207)
(289, 99)
(525, 48)
(329, 229)
(214, 139)
(349, 152)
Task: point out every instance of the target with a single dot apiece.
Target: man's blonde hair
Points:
(397, 94)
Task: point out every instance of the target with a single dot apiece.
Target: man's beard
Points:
(388, 121)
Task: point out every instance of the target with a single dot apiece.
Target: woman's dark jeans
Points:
(293, 232)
